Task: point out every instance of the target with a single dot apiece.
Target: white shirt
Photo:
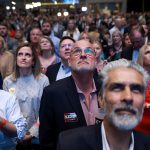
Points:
(105, 142)
(10, 110)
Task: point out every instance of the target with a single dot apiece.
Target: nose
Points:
(83, 55)
(127, 96)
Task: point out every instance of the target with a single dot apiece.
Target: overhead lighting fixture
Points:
(13, 8)
(65, 13)
(55, 2)
(59, 14)
(13, 3)
(36, 4)
(28, 6)
(7, 8)
(84, 8)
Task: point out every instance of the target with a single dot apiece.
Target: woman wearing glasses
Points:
(27, 83)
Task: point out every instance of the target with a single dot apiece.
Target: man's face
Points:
(35, 35)
(3, 30)
(124, 98)
(65, 49)
(83, 57)
(137, 40)
(46, 29)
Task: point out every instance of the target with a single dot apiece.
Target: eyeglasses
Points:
(88, 51)
(67, 45)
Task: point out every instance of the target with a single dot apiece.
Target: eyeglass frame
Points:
(91, 54)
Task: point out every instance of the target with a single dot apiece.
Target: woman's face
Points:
(45, 44)
(98, 49)
(127, 41)
(146, 57)
(25, 58)
(85, 37)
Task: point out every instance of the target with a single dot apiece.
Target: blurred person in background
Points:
(34, 38)
(126, 41)
(47, 31)
(47, 56)
(99, 55)
(27, 83)
(116, 47)
(10, 42)
(144, 61)
(6, 59)
(72, 30)
(61, 70)
(85, 36)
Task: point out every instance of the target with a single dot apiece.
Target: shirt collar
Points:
(105, 142)
(93, 90)
(65, 68)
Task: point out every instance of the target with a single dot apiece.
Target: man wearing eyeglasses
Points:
(61, 70)
(70, 102)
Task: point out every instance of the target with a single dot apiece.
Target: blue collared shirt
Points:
(64, 71)
(135, 55)
(10, 110)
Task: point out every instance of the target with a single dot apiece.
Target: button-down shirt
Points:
(135, 55)
(105, 142)
(64, 71)
(91, 112)
(10, 110)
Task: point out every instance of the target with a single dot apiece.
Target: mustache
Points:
(125, 107)
(83, 61)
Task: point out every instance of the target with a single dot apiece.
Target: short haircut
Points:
(66, 37)
(103, 75)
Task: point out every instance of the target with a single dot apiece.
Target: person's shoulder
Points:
(53, 66)
(9, 78)
(87, 131)
(60, 84)
(141, 136)
(142, 140)
(6, 95)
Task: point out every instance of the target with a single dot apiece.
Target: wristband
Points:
(3, 123)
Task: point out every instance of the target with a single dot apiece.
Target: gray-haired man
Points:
(123, 94)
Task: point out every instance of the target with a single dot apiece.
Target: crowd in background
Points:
(41, 39)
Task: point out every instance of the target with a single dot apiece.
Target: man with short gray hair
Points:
(122, 97)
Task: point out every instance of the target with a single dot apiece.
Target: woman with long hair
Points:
(27, 83)
(47, 55)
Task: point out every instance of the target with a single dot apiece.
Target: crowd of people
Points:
(89, 71)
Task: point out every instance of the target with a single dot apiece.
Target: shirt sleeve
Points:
(15, 116)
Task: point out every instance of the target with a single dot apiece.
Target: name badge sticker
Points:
(70, 117)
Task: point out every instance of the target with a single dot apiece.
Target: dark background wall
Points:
(138, 5)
